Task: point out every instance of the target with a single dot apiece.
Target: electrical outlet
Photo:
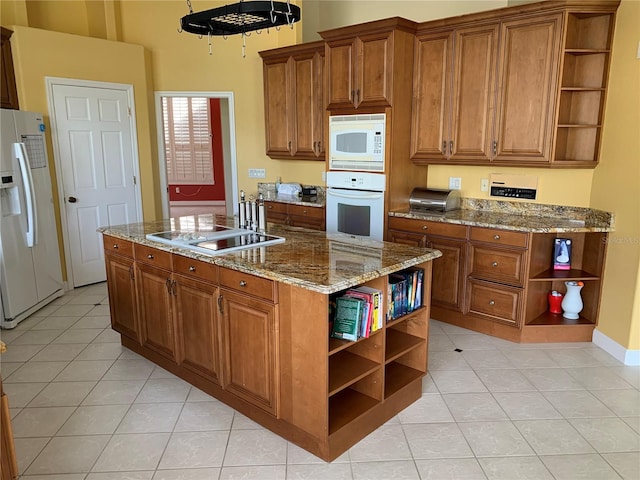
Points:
(484, 185)
(455, 183)
(257, 173)
(177, 189)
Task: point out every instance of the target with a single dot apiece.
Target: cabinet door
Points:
(155, 306)
(122, 295)
(307, 217)
(527, 89)
(374, 70)
(307, 105)
(276, 94)
(197, 327)
(250, 344)
(340, 75)
(8, 91)
(447, 285)
(431, 96)
(473, 93)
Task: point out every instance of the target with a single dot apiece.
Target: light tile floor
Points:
(85, 408)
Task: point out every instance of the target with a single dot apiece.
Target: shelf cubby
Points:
(585, 68)
(346, 406)
(586, 30)
(398, 375)
(398, 343)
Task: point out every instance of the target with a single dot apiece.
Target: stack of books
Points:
(357, 313)
(404, 294)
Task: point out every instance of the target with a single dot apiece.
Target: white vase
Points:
(572, 302)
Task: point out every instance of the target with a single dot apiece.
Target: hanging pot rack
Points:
(240, 18)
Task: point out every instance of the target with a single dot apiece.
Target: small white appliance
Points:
(355, 205)
(30, 273)
(357, 142)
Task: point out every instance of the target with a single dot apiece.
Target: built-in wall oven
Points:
(355, 205)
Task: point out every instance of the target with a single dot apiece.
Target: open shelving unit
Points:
(585, 67)
(587, 262)
(367, 373)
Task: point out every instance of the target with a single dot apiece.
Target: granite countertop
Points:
(523, 217)
(308, 258)
(294, 200)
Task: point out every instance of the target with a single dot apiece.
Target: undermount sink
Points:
(218, 241)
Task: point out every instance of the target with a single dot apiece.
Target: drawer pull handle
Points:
(492, 302)
(424, 227)
(494, 264)
(192, 268)
(150, 256)
(496, 237)
(243, 283)
(115, 246)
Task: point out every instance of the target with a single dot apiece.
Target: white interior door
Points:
(96, 158)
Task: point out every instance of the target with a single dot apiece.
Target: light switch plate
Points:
(257, 173)
(455, 183)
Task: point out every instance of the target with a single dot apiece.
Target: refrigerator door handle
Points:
(30, 195)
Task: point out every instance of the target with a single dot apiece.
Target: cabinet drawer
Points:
(248, 284)
(499, 237)
(496, 302)
(428, 228)
(275, 207)
(152, 256)
(117, 245)
(195, 268)
(314, 212)
(495, 264)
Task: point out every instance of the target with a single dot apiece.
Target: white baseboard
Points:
(195, 203)
(613, 348)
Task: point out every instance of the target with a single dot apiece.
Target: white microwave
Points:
(357, 142)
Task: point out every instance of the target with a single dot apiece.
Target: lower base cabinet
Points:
(250, 347)
(264, 348)
(497, 281)
(122, 292)
(8, 462)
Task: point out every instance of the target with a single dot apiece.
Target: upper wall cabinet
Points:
(521, 86)
(293, 100)
(8, 91)
(361, 62)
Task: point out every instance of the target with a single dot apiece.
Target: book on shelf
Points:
(405, 292)
(374, 298)
(348, 318)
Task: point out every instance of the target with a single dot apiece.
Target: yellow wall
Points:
(616, 183)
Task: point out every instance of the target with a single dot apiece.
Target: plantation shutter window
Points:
(187, 134)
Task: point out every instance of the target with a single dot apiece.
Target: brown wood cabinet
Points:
(155, 291)
(8, 91)
(362, 63)
(509, 87)
(8, 462)
(294, 101)
(258, 346)
(121, 285)
(197, 322)
(497, 281)
(454, 82)
(448, 277)
(296, 215)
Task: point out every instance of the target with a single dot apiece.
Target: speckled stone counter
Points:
(307, 258)
(523, 217)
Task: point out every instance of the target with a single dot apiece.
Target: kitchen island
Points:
(252, 328)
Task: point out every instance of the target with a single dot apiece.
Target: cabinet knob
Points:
(496, 237)
(243, 283)
(269, 207)
(115, 246)
(304, 211)
(192, 268)
(492, 302)
(494, 264)
(424, 227)
(150, 256)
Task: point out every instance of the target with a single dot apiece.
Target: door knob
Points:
(73, 199)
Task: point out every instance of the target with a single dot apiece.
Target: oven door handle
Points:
(372, 196)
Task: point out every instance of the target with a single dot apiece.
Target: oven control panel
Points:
(357, 180)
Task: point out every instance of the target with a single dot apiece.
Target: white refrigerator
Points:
(30, 274)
